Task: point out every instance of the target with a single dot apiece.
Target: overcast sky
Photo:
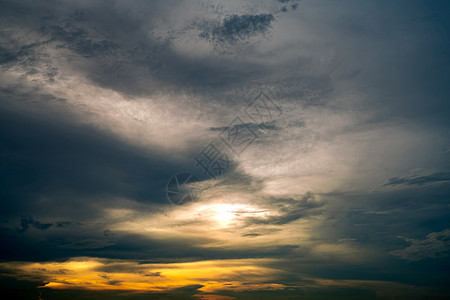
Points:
(260, 149)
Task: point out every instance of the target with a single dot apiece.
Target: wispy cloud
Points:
(420, 180)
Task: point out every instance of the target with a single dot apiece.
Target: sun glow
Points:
(225, 215)
(105, 274)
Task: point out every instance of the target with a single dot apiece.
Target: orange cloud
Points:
(104, 274)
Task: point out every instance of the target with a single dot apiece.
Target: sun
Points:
(222, 215)
(225, 213)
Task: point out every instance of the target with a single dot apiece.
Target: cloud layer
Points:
(317, 133)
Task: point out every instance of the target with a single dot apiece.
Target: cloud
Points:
(103, 102)
(26, 222)
(79, 41)
(231, 279)
(419, 180)
(435, 245)
(74, 161)
(6, 56)
(97, 273)
(235, 28)
(290, 210)
(256, 128)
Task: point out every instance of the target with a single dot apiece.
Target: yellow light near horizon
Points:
(88, 273)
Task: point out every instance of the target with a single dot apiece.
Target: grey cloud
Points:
(435, 245)
(255, 128)
(80, 41)
(419, 180)
(379, 218)
(289, 210)
(7, 56)
(251, 235)
(291, 3)
(89, 240)
(238, 27)
(143, 247)
(238, 136)
(119, 53)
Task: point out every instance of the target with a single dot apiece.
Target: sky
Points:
(220, 150)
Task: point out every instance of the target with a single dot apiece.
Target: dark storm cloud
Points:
(54, 243)
(67, 174)
(14, 286)
(64, 224)
(235, 28)
(46, 158)
(26, 222)
(79, 171)
(87, 240)
(165, 250)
